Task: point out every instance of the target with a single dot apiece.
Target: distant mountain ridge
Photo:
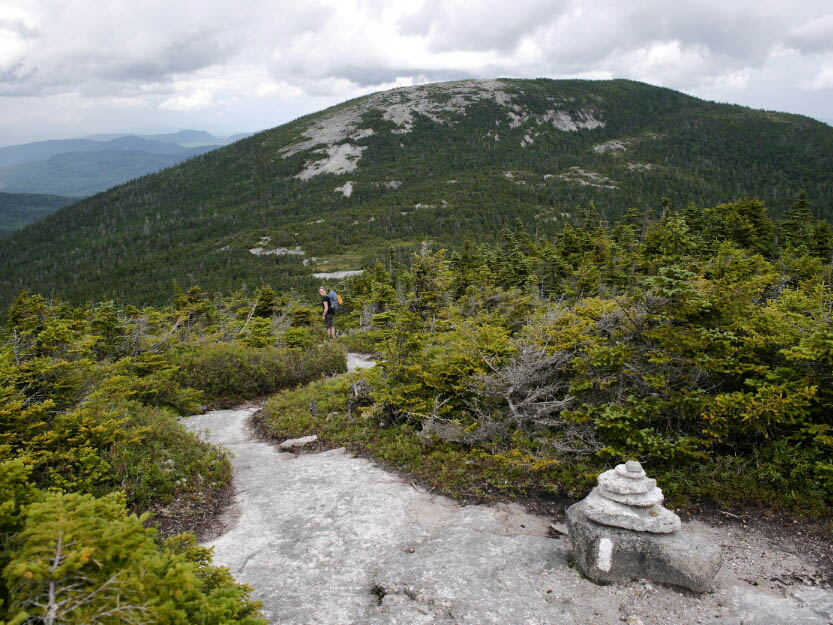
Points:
(82, 167)
(154, 144)
(81, 174)
(373, 178)
(185, 138)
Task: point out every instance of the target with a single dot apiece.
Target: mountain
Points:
(373, 178)
(188, 138)
(86, 173)
(130, 143)
(156, 144)
(43, 150)
(87, 166)
(237, 137)
(185, 138)
(21, 209)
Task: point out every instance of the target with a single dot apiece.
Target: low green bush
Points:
(230, 372)
(165, 461)
(301, 338)
(78, 559)
(449, 468)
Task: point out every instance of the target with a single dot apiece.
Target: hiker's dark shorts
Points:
(328, 319)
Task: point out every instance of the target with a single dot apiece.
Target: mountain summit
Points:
(377, 176)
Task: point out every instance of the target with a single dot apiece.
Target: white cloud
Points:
(193, 101)
(823, 80)
(192, 61)
(735, 80)
(814, 34)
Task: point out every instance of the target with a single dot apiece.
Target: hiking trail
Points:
(331, 539)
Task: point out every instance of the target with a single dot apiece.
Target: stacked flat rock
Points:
(627, 498)
(621, 531)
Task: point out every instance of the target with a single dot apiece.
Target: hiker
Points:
(329, 312)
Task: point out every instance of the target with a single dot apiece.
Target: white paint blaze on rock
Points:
(624, 509)
(331, 539)
(605, 554)
(680, 558)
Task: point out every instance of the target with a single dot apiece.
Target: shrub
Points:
(79, 559)
(165, 460)
(229, 373)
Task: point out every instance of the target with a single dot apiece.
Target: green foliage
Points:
(696, 346)
(85, 417)
(449, 467)
(89, 400)
(79, 559)
(165, 462)
(16, 493)
(20, 209)
(81, 173)
(228, 373)
(699, 342)
(196, 222)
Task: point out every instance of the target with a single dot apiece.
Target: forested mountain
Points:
(20, 209)
(86, 173)
(374, 177)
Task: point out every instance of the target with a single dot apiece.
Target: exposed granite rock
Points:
(332, 539)
(609, 554)
(297, 443)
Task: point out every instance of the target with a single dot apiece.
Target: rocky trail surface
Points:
(327, 538)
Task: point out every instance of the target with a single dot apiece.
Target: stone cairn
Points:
(621, 531)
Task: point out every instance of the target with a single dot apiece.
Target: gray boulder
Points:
(606, 554)
(298, 443)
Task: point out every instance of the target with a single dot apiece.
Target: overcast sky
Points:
(69, 68)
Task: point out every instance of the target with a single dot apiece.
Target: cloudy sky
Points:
(69, 68)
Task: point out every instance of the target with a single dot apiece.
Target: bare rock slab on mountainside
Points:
(433, 581)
